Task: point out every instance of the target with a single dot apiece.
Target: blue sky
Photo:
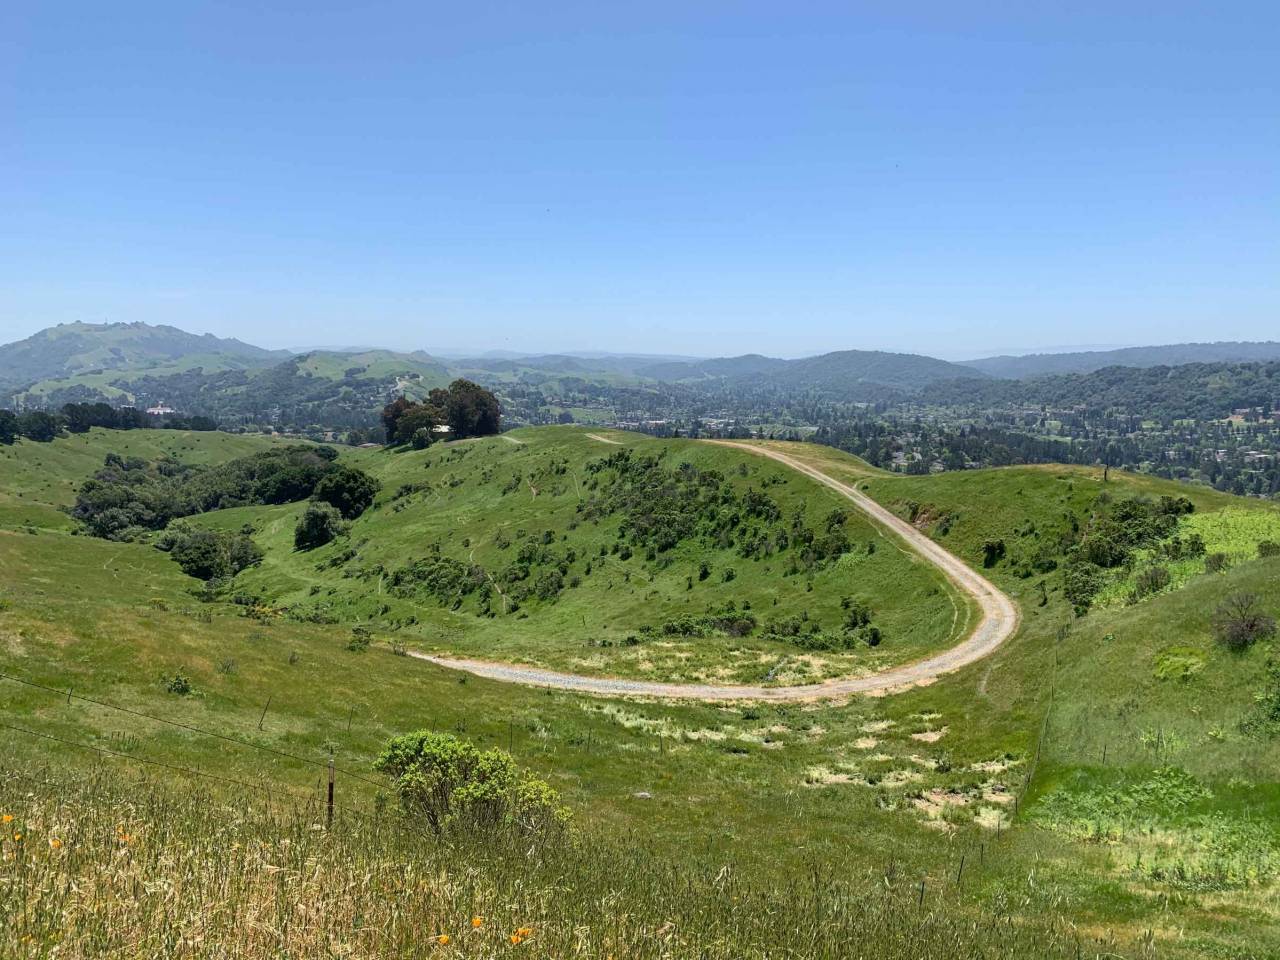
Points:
(701, 178)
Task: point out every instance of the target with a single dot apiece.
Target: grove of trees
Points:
(466, 408)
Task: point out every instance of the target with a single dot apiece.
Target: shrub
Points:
(1216, 563)
(1268, 548)
(448, 782)
(209, 554)
(351, 491)
(178, 684)
(1151, 581)
(1239, 623)
(1081, 582)
(993, 552)
(318, 525)
(548, 585)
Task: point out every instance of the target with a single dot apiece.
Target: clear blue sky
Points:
(705, 178)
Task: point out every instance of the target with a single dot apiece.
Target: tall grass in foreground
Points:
(95, 866)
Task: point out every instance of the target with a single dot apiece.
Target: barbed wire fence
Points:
(272, 791)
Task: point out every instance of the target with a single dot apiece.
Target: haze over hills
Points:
(77, 350)
(1087, 361)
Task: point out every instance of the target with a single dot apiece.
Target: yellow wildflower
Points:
(524, 932)
(7, 818)
(17, 837)
(55, 843)
(477, 923)
(516, 939)
(443, 939)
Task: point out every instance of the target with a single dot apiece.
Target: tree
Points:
(391, 415)
(472, 411)
(319, 524)
(447, 782)
(8, 427)
(39, 426)
(81, 416)
(351, 491)
(209, 554)
(419, 418)
(1238, 622)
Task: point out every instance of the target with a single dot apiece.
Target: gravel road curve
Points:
(998, 622)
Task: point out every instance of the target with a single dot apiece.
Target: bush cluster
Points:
(209, 554)
(1114, 532)
(448, 783)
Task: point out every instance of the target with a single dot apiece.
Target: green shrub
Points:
(350, 491)
(447, 783)
(209, 554)
(178, 684)
(993, 552)
(1268, 548)
(318, 525)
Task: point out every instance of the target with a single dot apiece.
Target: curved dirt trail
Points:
(998, 622)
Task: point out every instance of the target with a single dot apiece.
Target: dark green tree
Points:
(319, 524)
(39, 426)
(472, 411)
(351, 491)
(8, 427)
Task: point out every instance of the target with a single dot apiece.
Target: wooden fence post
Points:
(329, 815)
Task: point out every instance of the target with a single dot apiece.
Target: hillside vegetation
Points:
(95, 350)
(1111, 775)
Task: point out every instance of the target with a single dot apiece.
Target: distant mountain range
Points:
(1087, 361)
(133, 362)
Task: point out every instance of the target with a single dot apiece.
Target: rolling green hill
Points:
(1112, 774)
(61, 356)
(843, 373)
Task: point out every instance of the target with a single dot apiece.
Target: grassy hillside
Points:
(40, 479)
(59, 356)
(486, 502)
(186, 877)
(424, 370)
(1139, 816)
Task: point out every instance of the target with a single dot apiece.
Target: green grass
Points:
(468, 496)
(905, 784)
(38, 480)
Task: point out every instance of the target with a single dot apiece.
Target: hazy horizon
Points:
(588, 351)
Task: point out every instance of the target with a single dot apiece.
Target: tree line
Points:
(42, 426)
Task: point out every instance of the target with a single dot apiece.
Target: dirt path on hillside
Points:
(998, 622)
(596, 436)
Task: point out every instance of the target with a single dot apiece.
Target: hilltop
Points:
(88, 350)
